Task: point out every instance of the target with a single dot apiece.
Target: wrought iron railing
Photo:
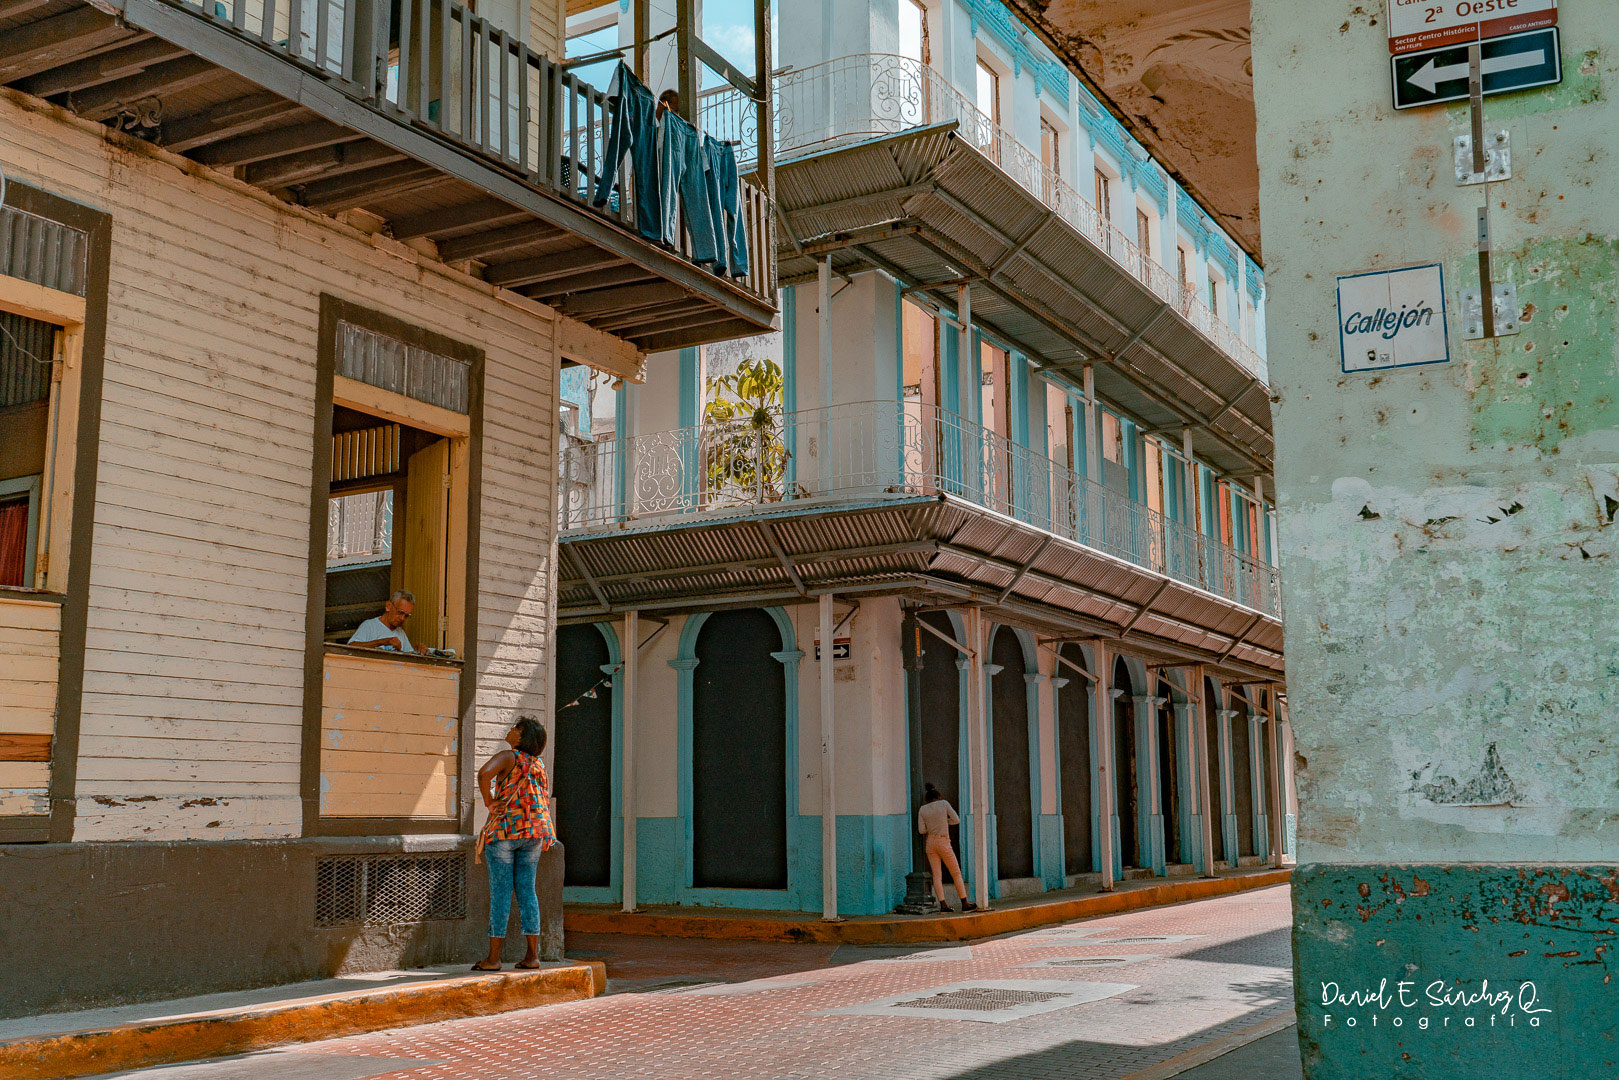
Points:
(878, 449)
(871, 95)
(437, 66)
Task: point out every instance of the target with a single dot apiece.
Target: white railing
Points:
(877, 449)
(872, 95)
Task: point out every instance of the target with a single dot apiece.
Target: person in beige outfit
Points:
(934, 821)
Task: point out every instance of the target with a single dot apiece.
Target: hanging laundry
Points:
(632, 130)
(725, 195)
(683, 187)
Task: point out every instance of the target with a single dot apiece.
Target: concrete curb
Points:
(236, 1031)
(886, 930)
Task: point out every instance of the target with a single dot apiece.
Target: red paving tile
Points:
(1235, 973)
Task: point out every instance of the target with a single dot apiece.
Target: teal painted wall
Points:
(1536, 941)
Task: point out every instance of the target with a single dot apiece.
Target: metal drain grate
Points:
(1089, 961)
(372, 890)
(1142, 940)
(979, 999)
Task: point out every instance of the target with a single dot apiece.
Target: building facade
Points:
(284, 308)
(1006, 466)
(1446, 510)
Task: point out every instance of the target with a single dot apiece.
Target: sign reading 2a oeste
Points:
(1429, 24)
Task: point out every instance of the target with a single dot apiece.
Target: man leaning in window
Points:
(387, 631)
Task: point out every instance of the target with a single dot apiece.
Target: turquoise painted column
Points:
(993, 844)
(1186, 762)
(1149, 808)
(1257, 771)
(1228, 790)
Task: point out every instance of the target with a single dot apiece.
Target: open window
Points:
(394, 531)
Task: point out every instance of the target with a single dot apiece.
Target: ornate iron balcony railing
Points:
(879, 449)
(871, 95)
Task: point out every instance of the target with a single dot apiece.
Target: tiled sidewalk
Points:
(722, 1010)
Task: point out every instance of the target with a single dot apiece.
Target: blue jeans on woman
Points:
(512, 867)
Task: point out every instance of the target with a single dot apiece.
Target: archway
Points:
(1242, 781)
(582, 779)
(739, 752)
(941, 716)
(1013, 798)
(1074, 763)
(1126, 779)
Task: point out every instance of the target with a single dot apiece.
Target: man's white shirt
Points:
(377, 630)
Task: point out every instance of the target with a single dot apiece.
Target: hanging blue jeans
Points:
(630, 109)
(512, 868)
(683, 172)
(725, 193)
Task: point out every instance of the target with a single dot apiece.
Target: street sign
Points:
(1429, 24)
(1392, 319)
(841, 648)
(1519, 62)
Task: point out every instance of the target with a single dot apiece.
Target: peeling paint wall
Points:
(1447, 532)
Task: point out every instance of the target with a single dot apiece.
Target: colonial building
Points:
(285, 295)
(992, 511)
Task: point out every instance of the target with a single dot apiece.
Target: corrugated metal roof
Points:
(929, 207)
(938, 549)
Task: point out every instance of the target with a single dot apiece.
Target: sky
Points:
(727, 27)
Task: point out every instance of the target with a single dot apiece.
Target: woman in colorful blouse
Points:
(517, 794)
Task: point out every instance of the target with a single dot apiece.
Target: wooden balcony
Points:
(418, 112)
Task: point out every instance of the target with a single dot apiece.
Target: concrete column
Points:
(1150, 812)
(1190, 817)
(978, 756)
(1228, 791)
(829, 810)
(968, 367)
(1260, 782)
(1093, 434)
(1205, 801)
(1278, 793)
(1104, 763)
(632, 638)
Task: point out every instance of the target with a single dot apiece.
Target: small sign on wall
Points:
(840, 649)
(1393, 319)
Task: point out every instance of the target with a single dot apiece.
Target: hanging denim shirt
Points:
(632, 130)
(683, 188)
(725, 193)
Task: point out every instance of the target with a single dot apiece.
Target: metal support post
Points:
(632, 641)
(978, 757)
(829, 808)
(823, 282)
(967, 379)
(1278, 797)
(1104, 760)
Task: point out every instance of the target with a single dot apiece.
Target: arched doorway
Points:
(582, 765)
(739, 754)
(1217, 803)
(1074, 764)
(1126, 779)
(941, 717)
(1014, 812)
(1169, 793)
(1242, 781)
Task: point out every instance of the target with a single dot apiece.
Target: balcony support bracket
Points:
(781, 555)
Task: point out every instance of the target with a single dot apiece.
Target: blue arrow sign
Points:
(1515, 62)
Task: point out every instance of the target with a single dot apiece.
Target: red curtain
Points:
(14, 543)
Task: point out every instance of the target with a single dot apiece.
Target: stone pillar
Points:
(1256, 773)
(1107, 843)
(1228, 790)
(978, 755)
(829, 807)
(1190, 816)
(627, 707)
(1149, 810)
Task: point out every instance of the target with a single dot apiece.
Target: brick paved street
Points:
(681, 1009)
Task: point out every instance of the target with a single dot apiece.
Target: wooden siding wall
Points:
(30, 632)
(192, 716)
(388, 739)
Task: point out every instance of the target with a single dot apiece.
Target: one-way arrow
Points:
(1430, 75)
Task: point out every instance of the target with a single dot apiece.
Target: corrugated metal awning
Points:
(935, 549)
(931, 210)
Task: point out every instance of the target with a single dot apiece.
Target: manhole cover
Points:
(979, 999)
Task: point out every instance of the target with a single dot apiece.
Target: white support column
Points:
(829, 809)
(823, 281)
(1277, 795)
(1093, 435)
(631, 645)
(1205, 794)
(978, 757)
(1104, 758)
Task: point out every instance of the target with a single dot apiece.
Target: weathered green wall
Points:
(1451, 565)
